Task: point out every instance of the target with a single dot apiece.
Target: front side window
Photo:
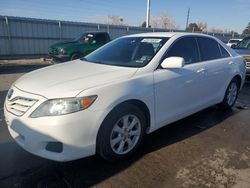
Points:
(186, 48)
(127, 51)
(209, 48)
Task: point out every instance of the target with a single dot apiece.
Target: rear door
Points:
(179, 92)
(217, 63)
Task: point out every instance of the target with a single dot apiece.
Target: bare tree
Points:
(114, 20)
(155, 22)
(193, 27)
(166, 21)
(202, 26)
(246, 31)
(163, 21)
(216, 30)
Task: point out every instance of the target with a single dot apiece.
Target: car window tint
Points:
(224, 52)
(209, 48)
(186, 48)
(100, 38)
(127, 51)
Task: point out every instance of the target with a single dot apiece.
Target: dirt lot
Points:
(208, 149)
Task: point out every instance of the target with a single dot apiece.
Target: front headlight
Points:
(56, 107)
(61, 51)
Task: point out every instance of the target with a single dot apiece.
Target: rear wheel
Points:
(121, 132)
(231, 94)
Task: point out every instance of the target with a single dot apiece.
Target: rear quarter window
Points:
(224, 52)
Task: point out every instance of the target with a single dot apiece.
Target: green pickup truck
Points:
(79, 47)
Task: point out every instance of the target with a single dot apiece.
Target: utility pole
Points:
(188, 14)
(148, 13)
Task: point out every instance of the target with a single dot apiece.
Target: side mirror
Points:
(173, 62)
(233, 46)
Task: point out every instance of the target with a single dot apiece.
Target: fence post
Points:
(9, 36)
(107, 28)
(60, 30)
(98, 27)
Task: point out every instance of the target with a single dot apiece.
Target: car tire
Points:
(76, 56)
(117, 140)
(231, 94)
(55, 61)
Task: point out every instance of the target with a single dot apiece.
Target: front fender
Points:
(110, 95)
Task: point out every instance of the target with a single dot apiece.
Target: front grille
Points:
(19, 105)
(53, 51)
(248, 64)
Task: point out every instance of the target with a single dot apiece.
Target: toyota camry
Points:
(106, 102)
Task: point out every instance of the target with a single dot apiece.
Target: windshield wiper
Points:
(92, 61)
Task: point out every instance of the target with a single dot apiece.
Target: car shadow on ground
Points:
(93, 170)
(13, 69)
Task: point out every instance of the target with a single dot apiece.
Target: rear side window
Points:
(100, 38)
(224, 53)
(209, 49)
(186, 48)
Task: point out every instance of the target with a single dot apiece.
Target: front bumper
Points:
(76, 132)
(60, 58)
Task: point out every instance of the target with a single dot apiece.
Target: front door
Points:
(179, 91)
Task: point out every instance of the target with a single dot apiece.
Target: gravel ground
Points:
(208, 149)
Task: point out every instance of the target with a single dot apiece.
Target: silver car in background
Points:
(243, 48)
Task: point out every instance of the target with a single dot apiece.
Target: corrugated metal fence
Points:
(29, 37)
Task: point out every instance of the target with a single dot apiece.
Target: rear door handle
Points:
(201, 70)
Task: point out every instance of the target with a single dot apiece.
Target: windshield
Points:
(128, 51)
(84, 37)
(244, 44)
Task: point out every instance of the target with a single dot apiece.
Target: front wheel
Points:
(231, 94)
(121, 133)
(76, 56)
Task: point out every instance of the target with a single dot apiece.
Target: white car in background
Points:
(132, 86)
(233, 42)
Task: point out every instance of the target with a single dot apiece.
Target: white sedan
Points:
(106, 102)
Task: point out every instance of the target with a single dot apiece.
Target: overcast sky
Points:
(224, 14)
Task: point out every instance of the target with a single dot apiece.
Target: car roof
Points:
(166, 34)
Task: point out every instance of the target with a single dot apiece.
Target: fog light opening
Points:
(56, 147)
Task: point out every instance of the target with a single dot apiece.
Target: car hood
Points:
(69, 79)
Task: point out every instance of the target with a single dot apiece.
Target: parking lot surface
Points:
(208, 149)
